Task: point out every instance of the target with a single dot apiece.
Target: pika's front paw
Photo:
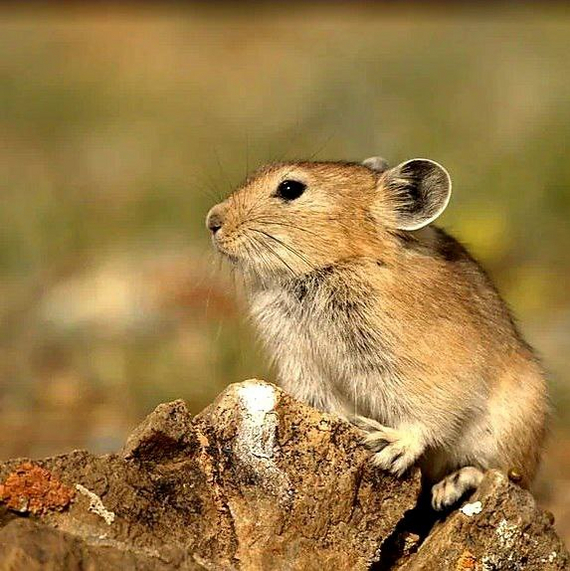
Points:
(395, 450)
(453, 487)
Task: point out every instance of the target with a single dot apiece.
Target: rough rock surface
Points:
(499, 528)
(256, 481)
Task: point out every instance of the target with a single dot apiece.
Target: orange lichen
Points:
(35, 490)
(466, 562)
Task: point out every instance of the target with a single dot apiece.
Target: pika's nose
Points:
(215, 219)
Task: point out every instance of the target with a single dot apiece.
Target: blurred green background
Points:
(120, 127)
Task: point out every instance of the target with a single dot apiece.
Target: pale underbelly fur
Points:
(317, 366)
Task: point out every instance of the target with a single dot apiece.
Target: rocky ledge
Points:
(261, 481)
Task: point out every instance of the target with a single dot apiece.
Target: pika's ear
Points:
(377, 164)
(416, 191)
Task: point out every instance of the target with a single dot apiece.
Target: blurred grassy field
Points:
(120, 127)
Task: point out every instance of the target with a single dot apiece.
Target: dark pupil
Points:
(290, 189)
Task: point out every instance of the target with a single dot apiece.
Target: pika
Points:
(375, 314)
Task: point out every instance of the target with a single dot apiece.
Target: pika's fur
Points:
(374, 314)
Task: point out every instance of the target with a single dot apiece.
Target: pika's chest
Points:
(286, 324)
(334, 334)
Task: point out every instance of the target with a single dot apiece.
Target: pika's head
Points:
(289, 219)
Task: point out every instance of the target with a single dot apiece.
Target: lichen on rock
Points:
(34, 490)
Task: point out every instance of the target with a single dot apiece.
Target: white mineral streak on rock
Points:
(259, 420)
(257, 432)
(472, 509)
(96, 505)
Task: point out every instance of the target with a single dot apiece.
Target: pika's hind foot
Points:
(445, 493)
(395, 450)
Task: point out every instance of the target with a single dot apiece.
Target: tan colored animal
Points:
(374, 314)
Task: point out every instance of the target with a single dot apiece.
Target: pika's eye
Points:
(290, 189)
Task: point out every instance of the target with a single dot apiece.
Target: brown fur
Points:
(401, 330)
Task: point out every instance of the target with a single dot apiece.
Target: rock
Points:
(28, 545)
(256, 481)
(165, 433)
(303, 474)
(499, 528)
